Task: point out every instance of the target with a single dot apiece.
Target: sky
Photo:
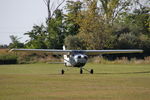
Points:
(18, 16)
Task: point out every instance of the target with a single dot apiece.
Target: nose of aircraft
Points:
(81, 57)
(80, 60)
(85, 57)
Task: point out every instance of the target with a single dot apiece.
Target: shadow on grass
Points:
(142, 72)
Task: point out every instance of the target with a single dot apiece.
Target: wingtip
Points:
(11, 50)
(141, 51)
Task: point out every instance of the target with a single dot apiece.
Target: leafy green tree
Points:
(112, 8)
(4, 46)
(73, 9)
(74, 43)
(37, 37)
(144, 43)
(128, 41)
(132, 30)
(139, 21)
(95, 33)
(56, 31)
(136, 22)
(15, 42)
(52, 6)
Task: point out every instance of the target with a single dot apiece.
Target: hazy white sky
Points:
(18, 17)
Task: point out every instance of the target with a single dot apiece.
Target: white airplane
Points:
(77, 58)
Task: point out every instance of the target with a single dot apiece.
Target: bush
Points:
(74, 42)
(128, 41)
(8, 59)
(122, 60)
(29, 58)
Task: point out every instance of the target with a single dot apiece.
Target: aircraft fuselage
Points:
(76, 60)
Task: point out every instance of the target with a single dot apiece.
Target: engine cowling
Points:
(80, 60)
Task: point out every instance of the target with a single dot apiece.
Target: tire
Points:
(62, 71)
(92, 71)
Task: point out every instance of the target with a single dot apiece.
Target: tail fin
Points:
(65, 56)
(64, 47)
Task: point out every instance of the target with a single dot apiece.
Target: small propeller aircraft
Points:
(76, 58)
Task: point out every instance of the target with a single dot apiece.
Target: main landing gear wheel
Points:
(81, 71)
(62, 71)
(91, 71)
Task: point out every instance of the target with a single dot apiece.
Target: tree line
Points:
(91, 24)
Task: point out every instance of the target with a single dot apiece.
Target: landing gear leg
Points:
(81, 71)
(91, 71)
(64, 70)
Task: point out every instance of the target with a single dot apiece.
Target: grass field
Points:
(44, 82)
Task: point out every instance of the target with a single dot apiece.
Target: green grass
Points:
(44, 82)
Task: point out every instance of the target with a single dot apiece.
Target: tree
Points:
(95, 33)
(128, 41)
(139, 20)
(144, 43)
(135, 23)
(15, 42)
(133, 31)
(4, 46)
(52, 7)
(37, 37)
(111, 9)
(52, 34)
(54, 27)
(56, 31)
(74, 43)
(73, 9)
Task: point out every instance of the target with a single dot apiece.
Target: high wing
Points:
(51, 51)
(97, 52)
(87, 52)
